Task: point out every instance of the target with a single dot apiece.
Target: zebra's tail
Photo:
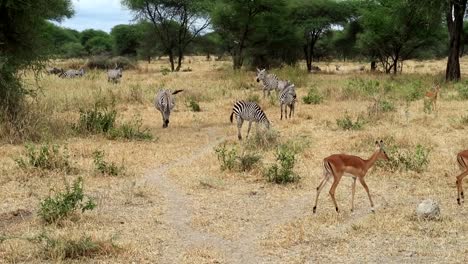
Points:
(177, 91)
(232, 114)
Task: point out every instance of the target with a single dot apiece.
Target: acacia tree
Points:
(23, 46)
(176, 22)
(454, 13)
(393, 30)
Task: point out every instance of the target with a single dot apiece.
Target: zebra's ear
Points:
(258, 70)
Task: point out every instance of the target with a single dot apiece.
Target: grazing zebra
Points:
(288, 99)
(248, 111)
(270, 81)
(165, 102)
(72, 73)
(114, 75)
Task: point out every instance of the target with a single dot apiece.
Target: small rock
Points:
(428, 209)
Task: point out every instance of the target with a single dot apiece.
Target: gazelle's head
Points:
(437, 88)
(382, 154)
(260, 74)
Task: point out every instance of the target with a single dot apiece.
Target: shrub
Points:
(136, 94)
(347, 124)
(462, 89)
(312, 97)
(65, 248)
(105, 168)
(193, 105)
(165, 71)
(130, 131)
(247, 161)
(358, 88)
(105, 62)
(379, 107)
(96, 120)
(227, 157)
(46, 157)
(401, 159)
(283, 173)
(262, 139)
(64, 203)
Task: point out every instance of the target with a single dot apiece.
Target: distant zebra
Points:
(165, 102)
(114, 75)
(72, 73)
(248, 111)
(270, 81)
(287, 98)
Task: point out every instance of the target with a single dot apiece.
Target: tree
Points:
(393, 30)
(176, 22)
(101, 41)
(126, 39)
(454, 13)
(315, 18)
(22, 46)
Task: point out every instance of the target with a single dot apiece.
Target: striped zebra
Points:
(114, 75)
(72, 73)
(270, 81)
(248, 111)
(165, 102)
(287, 99)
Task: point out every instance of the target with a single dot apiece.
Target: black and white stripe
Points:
(270, 81)
(287, 98)
(165, 102)
(72, 73)
(114, 75)
(248, 111)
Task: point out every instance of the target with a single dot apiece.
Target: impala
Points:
(338, 165)
(432, 95)
(462, 159)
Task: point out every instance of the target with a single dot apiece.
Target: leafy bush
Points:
(347, 124)
(193, 105)
(105, 168)
(462, 89)
(96, 120)
(247, 161)
(262, 139)
(359, 88)
(64, 203)
(312, 97)
(283, 173)
(46, 157)
(227, 157)
(131, 131)
(403, 159)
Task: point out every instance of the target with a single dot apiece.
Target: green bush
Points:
(248, 161)
(96, 120)
(462, 89)
(130, 131)
(193, 105)
(227, 157)
(282, 172)
(64, 203)
(262, 139)
(105, 168)
(406, 160)
(347, 123)
(312, 97)
(360, 88)
(46, 157)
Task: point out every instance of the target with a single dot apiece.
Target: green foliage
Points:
(361, 88)
(248, 161)
(193, 105)
(46, 157)
(462, 89)
(130, 131)
(347, 123)
(227, 157)
(253, 98)
(282, 172)
(262, 139)
(96, 120)
(312, 97)
(126, 39)
(106, 62)
(379, 107)
(98, 45)
(105, 168)
(406, 160)
(73, 50)
(53, 209)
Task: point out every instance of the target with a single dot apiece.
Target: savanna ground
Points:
(173, 203)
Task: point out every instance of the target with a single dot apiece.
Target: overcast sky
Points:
(97, 14)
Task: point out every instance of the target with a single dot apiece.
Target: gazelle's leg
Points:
(352, 193)
(248, 130)
(461, 198)
(240, 121)
(336, 180)
(367, 190)
(319, 189)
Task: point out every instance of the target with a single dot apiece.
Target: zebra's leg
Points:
(286, 111)
(281, 107)
(291, 109)
(248, 130)
(240, 121)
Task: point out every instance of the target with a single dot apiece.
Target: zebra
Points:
(114, 75)
(72, 73)
(165, 102)
(248, 111)
(270, 81)
(288, 99)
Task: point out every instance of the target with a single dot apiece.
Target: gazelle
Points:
(338, 165)
(462, 159)
(432, 95)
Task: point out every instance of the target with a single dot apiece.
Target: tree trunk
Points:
(180, 56)
(308, 54)
(373, 66)
(455, 28)
(171, 60)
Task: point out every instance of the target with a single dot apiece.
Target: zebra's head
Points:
(260, 74)
(266, 122)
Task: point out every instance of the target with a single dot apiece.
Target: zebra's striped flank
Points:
(114, 75)
(248, 111)
(270, 81)
(287, 98)
(72, 73)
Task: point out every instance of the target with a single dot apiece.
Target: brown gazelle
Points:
(338, 165)
(462, 159)
(432, 95)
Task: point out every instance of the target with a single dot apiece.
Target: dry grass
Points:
(175, 205)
